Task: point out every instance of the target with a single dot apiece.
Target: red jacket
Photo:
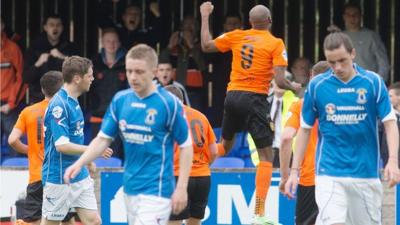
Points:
(11, 66)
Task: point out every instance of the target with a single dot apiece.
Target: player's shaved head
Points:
(320, 67)
(260, 17)
(175, 91)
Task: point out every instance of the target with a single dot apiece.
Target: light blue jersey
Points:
(347, 114)
(148, 128)
(63, 123)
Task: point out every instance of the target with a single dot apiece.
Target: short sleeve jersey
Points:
(202, 136)
(148, 128)
(30, 122)
(254, 54)
(63, 123)
(307, 170)
(347, 113)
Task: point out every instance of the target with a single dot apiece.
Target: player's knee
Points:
(227, 144)
(95, 220)
(265, 154)
(286, 138)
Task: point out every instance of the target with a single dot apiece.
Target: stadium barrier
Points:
(231, 199)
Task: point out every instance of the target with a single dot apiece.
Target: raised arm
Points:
(207, 43)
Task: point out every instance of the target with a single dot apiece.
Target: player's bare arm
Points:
(207, 43)
(284, 83)
(14, 140)
(77, 149)
(392, 172)
(302, 138)
(285, 152)
(179, 197)
(213, 151)
(71, 148)
(97, 147)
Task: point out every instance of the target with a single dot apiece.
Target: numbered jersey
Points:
(202, 136)
(255, 53)
(30, 122)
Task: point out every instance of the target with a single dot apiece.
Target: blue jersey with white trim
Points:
(347, 113)
(63, 123)
(148, 128)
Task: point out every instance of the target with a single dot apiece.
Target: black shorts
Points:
(306, 207)
(31, 207)
(198, 189)
(247, 111)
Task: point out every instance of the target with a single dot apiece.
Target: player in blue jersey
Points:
(149, 121)
(348, 101)
(63, 127)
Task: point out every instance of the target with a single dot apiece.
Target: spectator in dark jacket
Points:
(184, 53)
(109, 73)
(165, 76)
(46, 53)
(131, 30)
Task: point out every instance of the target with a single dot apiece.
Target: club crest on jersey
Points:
(330, 109)
(151, 116)
(361, 98)
(57, 112)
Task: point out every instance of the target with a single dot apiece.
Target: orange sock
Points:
(263, 181)
(221, 149)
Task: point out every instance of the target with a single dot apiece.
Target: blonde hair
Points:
(143, 52)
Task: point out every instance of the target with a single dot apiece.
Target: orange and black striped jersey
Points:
(30, 122)
(255, 53)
